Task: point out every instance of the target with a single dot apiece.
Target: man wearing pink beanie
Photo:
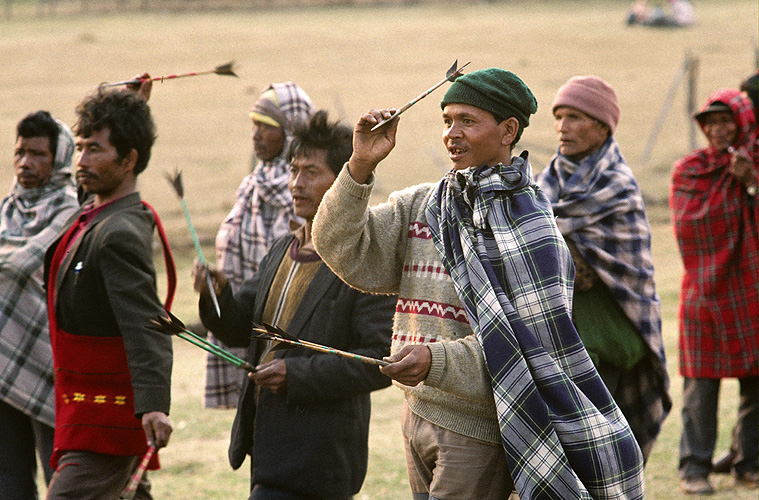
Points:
(599, 211)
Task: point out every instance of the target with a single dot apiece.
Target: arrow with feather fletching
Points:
(222, 69)
(171, 325)
(450, 75)
(176, 183)
(284, 340)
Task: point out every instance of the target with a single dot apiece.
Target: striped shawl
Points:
(599, 207)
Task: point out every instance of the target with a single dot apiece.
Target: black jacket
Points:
(312, 439)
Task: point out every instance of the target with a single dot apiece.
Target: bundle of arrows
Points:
(171, 325)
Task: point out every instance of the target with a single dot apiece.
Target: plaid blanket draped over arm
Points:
(30, 220)
(564, 436)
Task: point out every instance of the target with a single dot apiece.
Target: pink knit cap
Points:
(592, 96)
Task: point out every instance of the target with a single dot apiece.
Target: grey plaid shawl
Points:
(30, 221)
(564, 436)
(599, 207)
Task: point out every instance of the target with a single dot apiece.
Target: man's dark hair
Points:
(39, 124)
(319, 133)
(499, 119)
(128, 118)
(751, 87)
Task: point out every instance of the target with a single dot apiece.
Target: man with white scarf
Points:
(41, 200)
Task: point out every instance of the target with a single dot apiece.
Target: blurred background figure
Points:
(262, 213)
(680, 13)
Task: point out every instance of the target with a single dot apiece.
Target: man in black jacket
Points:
(112, 373)
(303, 416)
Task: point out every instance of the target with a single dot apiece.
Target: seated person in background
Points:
(681, 14)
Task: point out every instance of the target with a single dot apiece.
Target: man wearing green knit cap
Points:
(497, 384)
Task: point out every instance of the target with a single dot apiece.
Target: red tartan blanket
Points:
(715, 223)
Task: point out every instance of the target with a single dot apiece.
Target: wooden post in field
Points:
(691, 104)
(665, 110)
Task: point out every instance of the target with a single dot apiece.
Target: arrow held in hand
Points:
(222, 69)
(450, 76)
(284, 340)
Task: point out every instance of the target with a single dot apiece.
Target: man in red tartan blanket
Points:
(715, 211)
(112, 373)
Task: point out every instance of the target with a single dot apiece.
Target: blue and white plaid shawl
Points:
(564, 436)
(599, 207)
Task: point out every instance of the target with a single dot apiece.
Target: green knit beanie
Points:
(496, 90)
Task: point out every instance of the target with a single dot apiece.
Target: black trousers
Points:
(699, 414)
(22, 438)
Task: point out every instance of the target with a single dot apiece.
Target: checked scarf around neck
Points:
(263, 207)
(564, 436)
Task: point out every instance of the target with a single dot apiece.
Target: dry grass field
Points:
(350, 59)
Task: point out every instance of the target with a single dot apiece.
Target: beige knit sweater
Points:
(388, 249)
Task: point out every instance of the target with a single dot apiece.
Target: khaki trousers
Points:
(445, 465)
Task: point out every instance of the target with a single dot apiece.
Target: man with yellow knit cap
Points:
(261, 215)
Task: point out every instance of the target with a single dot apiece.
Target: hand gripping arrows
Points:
(171, 325)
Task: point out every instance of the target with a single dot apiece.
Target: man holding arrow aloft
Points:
(497, 382)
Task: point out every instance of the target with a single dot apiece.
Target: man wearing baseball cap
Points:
(714, 209)
(599, 211)
(499, 391)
